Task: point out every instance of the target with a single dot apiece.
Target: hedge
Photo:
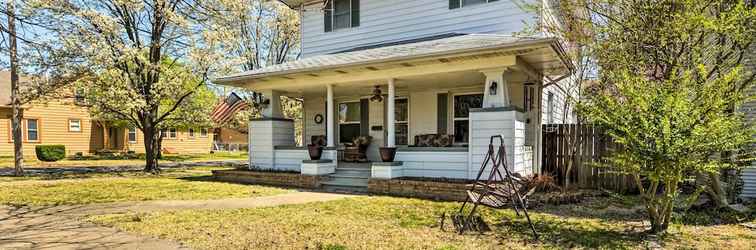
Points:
(50, 152)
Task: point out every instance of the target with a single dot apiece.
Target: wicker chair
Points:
(357, 150)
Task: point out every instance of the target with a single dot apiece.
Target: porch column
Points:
(496, 92)
(330, 137)
(391, 128)
(273, 110)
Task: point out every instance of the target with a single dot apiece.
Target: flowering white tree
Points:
(30, 50)
(132, 46)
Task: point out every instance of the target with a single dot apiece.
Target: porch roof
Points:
(445, 46)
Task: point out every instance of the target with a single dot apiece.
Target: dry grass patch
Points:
(399, 223)
(132, 186)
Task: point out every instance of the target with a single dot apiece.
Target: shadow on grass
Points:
(569, 234)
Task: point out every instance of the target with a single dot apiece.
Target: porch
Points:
(437, 102)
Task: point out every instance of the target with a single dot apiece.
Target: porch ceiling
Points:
(452, 59)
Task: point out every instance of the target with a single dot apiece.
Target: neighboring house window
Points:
(550, 108)
(462, 106)
(453, 4)
(401, 114)
(349, 121)
(341, 14)
(79, 98)
(173, 133)
(74, 125)
(32, 130)
(203, 132)
(191, 132)
(132, 135)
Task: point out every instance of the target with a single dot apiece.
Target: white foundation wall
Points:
(264, 135)
(499, 121)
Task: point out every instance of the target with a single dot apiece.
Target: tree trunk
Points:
(18, 152)
(159, 147)
(151, 164)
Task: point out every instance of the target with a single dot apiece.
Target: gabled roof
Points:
(470, 43)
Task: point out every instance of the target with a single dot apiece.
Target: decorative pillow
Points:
(362, 140)
(443, 141)
(424, 140)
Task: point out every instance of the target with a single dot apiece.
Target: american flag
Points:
(226, 109)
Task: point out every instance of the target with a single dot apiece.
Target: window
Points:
(203, 132)
(453, 4)
(191, 132)
(132, 135)
(401, 114)
(341, 14)
(173, 133)
(550, 108)
(349, 121)
(462, 106)
(32, 130)
(74, 125)
(79, 97)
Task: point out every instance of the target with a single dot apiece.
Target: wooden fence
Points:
(588, 146)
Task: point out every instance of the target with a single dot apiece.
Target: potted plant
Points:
(387, 154)
(315, 151)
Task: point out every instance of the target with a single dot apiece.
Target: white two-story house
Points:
(406, 73)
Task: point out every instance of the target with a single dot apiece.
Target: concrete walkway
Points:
(64, 227)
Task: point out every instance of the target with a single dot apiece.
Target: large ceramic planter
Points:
(315, 151)
(387, 154)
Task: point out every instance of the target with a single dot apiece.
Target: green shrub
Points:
(50, 152)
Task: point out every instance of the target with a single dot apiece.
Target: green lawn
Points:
(400, 223)
(193, 184)
(7, 161)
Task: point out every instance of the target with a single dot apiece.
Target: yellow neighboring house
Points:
(63, 121)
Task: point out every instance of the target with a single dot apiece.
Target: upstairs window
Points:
(341, 14)
(79, 97)
(454, 4)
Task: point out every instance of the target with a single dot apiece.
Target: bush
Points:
(50, 152)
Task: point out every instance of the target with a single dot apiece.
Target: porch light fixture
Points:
(377, 96)
(493, 88)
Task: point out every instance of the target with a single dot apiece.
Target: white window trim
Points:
(71, 122)
(206, 132)
(454, 119)
(333, 16)
(172, 133)
(26, 129)
(191, 133)
(128, 132)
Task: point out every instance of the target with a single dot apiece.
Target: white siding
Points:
(434, 164)
(749, 108)
(563, 105)
(384, 21)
